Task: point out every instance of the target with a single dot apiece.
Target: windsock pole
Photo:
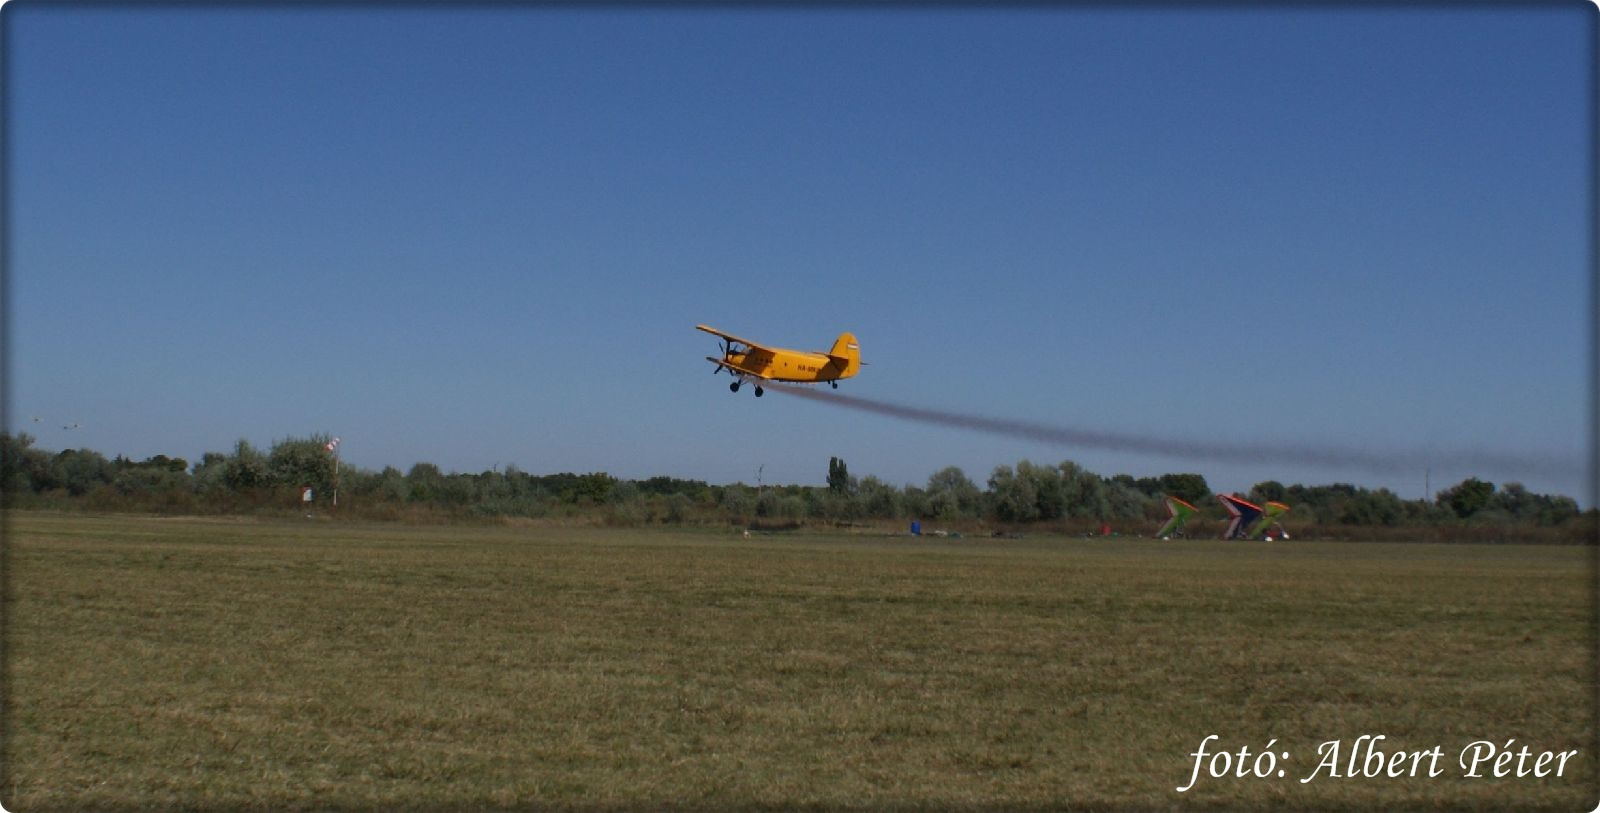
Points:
(333, 446)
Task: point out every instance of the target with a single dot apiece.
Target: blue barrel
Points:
(916, 528)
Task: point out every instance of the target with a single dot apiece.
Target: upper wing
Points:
(732, 338)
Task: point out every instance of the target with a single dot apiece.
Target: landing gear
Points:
(759, 391)
(734, 387)
(833, 384)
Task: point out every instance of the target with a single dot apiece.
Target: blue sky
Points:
(483, 237)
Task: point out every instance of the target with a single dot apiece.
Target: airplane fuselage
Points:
(797, 366)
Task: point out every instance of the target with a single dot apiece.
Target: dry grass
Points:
(210, 664)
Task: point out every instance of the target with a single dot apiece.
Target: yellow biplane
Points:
(747, 361)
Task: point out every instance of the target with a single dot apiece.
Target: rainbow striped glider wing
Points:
(1248, 520)
(1269, 518)
(1241, 515)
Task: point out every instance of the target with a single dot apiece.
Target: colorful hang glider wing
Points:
(1269, 516)
(1179, 512)
(1243, 515)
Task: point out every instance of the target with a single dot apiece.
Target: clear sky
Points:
(484, 236)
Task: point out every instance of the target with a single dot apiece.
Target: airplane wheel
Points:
(734, 387)
(759, 392)
(834, 384)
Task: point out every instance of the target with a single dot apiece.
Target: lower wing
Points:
(732, 368)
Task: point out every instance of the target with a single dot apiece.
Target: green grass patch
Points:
(208, 664)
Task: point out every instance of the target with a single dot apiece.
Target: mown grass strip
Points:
(224, 664)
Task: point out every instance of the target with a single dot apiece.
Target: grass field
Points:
(216, 664)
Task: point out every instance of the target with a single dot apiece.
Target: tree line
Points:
(1062, 496)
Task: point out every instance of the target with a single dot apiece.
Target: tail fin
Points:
(846, 355)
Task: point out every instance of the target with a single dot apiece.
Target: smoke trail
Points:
(1388, 461)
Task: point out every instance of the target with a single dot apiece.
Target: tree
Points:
(1148, 486)
(879, 499)
(300, 462)
(1050, 500)
(246, 469)
(625, 504)
(1267, 491)
(737, 501)
(594, 487)
(1083, 491)
(914, 503)
(791, 506)
(767, 502)
(80, 471)
(678, 508)
(951, 494)
(1124, 500)
(838, 476)
(1015, 498)
(424, 482)
(149, 481)
(1381, 507)
(1557, 510)
(390, 484)
(22, 467)
(1466, 497)
(210, 474)
(1190, 488)
(1527, 507)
